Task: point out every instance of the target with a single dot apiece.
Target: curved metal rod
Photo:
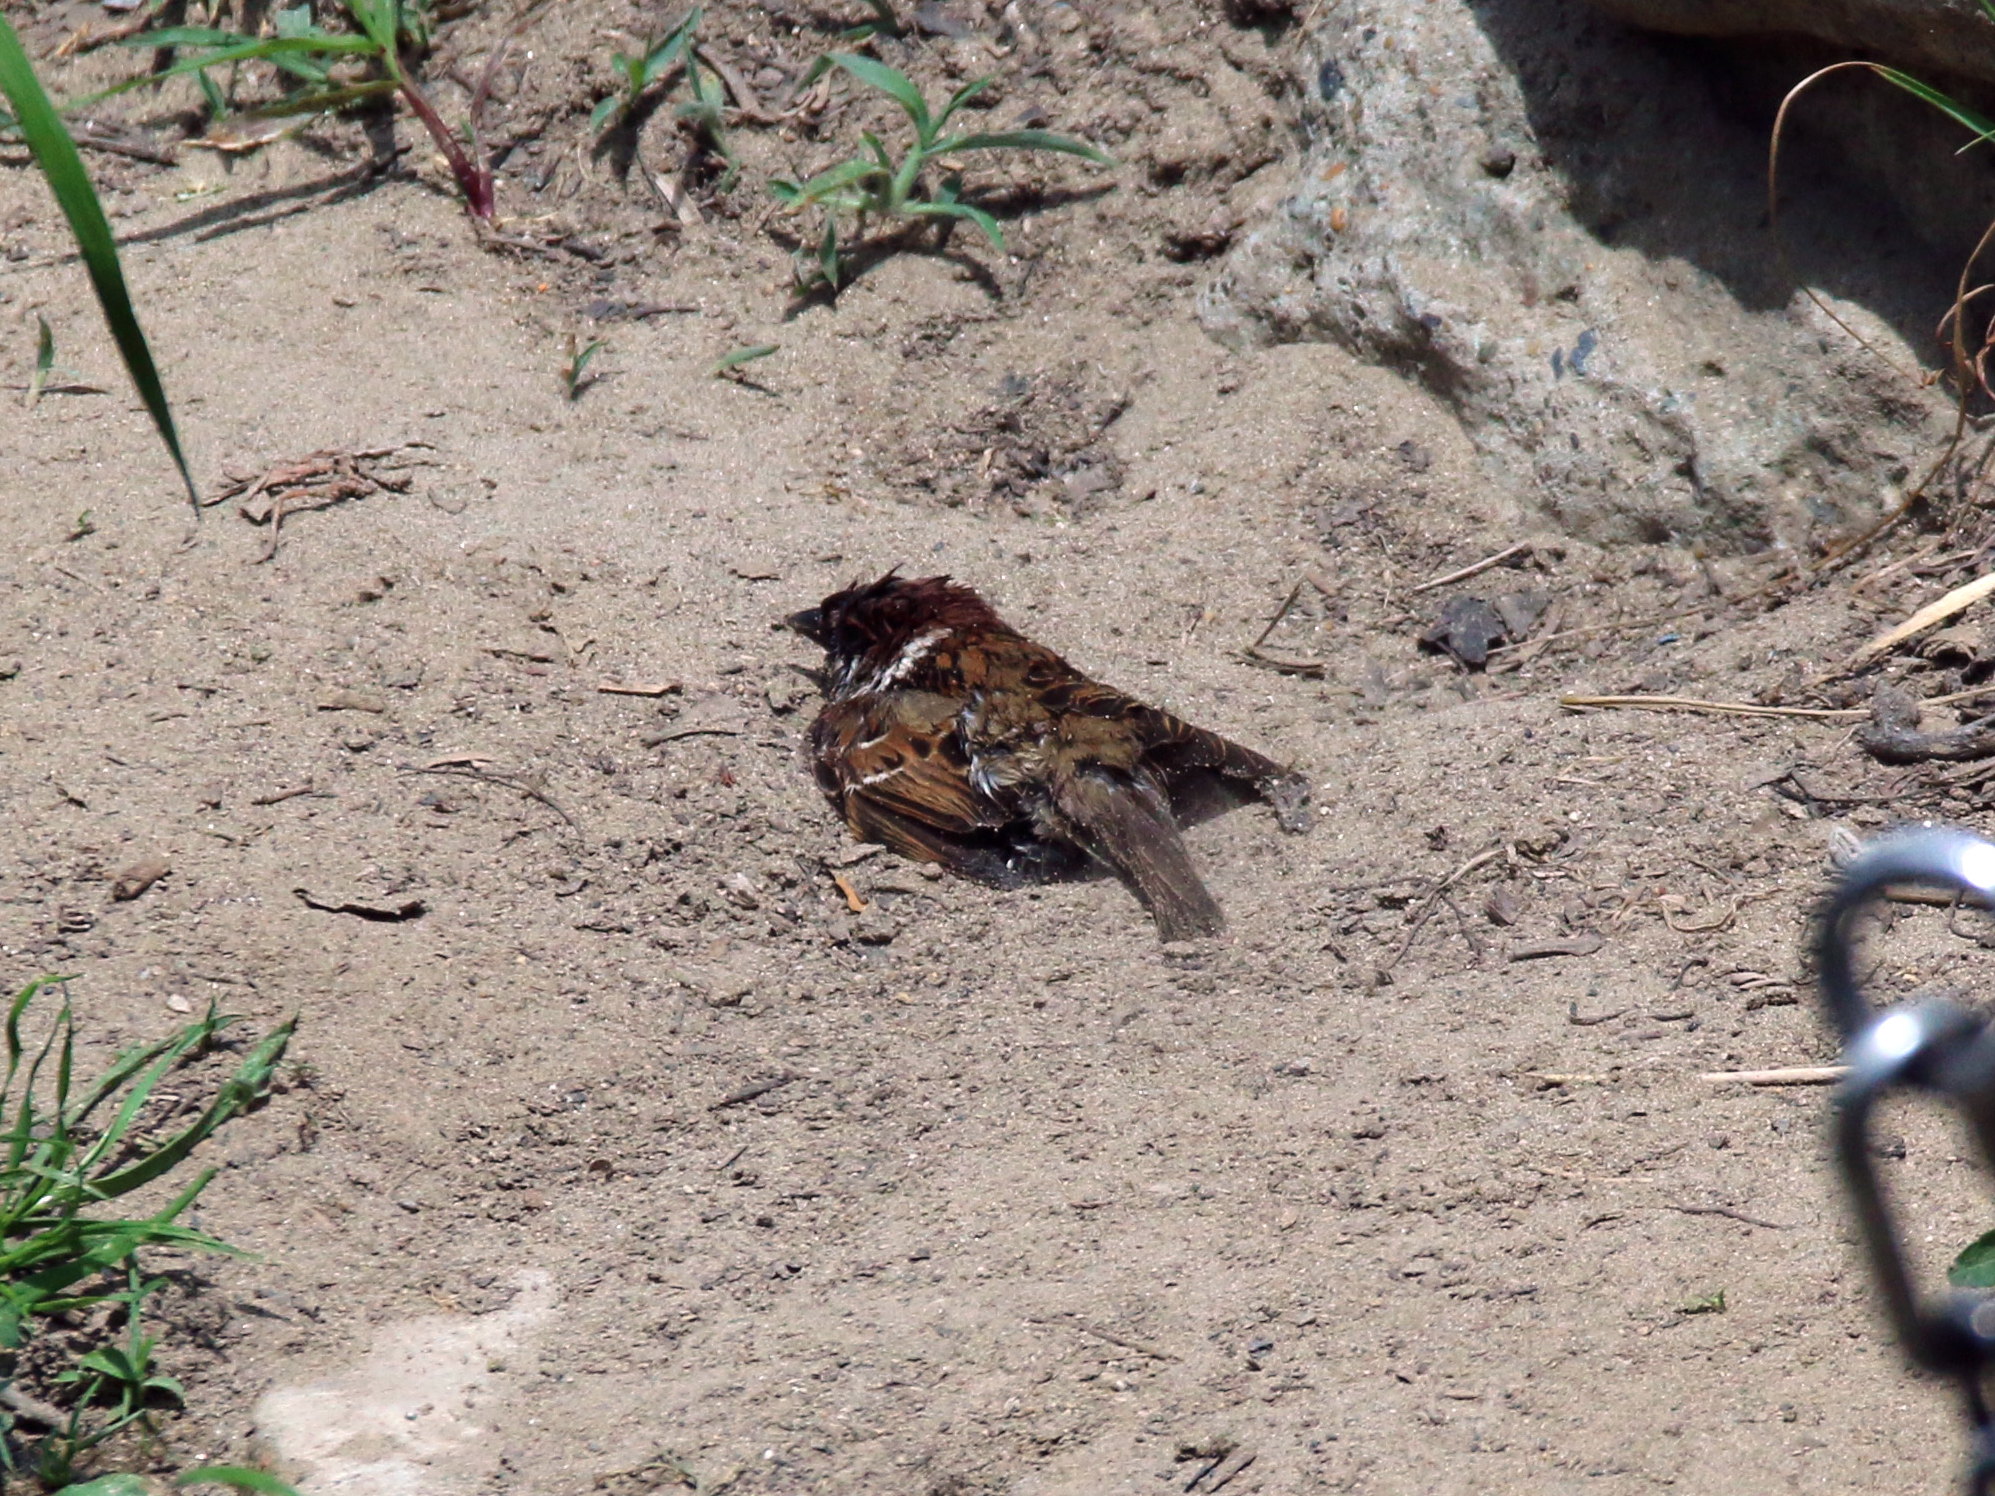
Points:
(1907, 1046)
(1932, 855)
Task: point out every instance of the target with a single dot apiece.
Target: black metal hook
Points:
(1932, 1046)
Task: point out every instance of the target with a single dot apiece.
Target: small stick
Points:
(1729, 1214)
(1971, 694)
(96, 138)
(1937, 898)
(1558, 1078)
(31, 1409)
(277, 797)
(1916, 558)
(1539, 950)
(1433, 899)
(619, 688)
(508, 781)
(1934, 612)
(1573, 1018)
(1724, 708)
(1280, 613)
(852, 900)
(1076, 1322)
(1790, 1075)
(1476, 568)
(695, 732)
(749, 1093)
(1254, 655)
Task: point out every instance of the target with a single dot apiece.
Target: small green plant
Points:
(730, 363)
(44, 361)
(640, 72)
(875, 185)
(387, 33)
(35, 118)
(66, 1150)
(576, 375)
(703, 110)
(123, 1375)
(884, 22)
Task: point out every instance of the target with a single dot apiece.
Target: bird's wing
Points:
(1125, 822)
(896, 769)
(1172, 747)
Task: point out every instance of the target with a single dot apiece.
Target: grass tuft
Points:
(320, 65)
(876, 185)
(575, 376)
(66, 1151)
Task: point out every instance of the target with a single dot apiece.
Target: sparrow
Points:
(952, 738)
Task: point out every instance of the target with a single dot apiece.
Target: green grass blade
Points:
(44, 360)
(661, 58)
(1959, 113)
(140, 1093)
(892, 82)
(961, 97)
(1025, 140)
(188, 36)
(577, 371)
(829, 263)
(977, 216)
(273, 49)
(56, 154)
(900, 187)
(251, 1080)
(121, 1484)
(240, 1477)
(838, 178)
(129, 1064)
(735, 358)
(380, 19)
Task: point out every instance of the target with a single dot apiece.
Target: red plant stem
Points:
(474, 177)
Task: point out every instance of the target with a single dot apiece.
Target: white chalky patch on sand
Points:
(406, 1418)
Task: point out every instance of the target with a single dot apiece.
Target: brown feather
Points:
(1125, 823)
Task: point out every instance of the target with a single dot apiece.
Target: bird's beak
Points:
(809, 623)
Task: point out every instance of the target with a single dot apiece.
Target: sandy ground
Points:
(1023, 1203)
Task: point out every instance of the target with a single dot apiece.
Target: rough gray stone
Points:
(1952, 37)
(1558, 226)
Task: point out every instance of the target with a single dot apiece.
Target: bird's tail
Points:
(1124, 821)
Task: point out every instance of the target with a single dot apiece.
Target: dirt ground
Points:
(720, 1183)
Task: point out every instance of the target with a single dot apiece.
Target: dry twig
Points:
(1475, 568)
(1717, 708)
(1790, 1075)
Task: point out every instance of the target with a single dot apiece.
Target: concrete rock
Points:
(1944, 36)
(1557, 226)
